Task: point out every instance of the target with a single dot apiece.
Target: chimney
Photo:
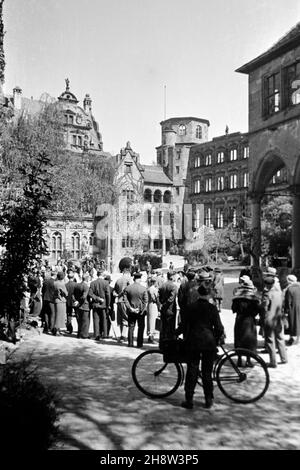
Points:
(87, 104)
(17, 96)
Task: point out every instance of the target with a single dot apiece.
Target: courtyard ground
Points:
(101, 409)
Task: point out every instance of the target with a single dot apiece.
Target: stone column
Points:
(296, 230)
(152, 229)
(256, 229)
(163, 235)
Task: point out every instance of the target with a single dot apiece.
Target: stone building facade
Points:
(218, 179)
(274, 129)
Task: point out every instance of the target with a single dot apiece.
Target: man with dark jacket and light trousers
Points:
(136, 300)
(202, 330)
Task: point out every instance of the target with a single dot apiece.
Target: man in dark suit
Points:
(167, 298)
(99, 294)
(202, 329)
(187, 292)
(136, 300)
(82, 306)
(70, 286)
(48, 309)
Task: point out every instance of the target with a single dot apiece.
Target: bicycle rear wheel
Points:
(154, 377)
(242, 376)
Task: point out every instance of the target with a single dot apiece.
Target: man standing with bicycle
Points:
(202, 330)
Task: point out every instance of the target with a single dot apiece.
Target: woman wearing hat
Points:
(292, 308)
(246, 305)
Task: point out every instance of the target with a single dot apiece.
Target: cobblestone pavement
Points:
(101, 409)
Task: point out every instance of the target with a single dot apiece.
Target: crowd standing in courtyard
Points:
(186, 302)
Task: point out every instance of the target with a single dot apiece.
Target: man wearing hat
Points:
(273, 273)
(187, 292)
(202, 329)
(167, 297)
(136, 300)
(99, 294)
(292, 308)
(48, 310)
(272, 318)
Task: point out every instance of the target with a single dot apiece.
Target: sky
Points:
(143, 60)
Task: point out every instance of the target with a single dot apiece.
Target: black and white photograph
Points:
(149, 228)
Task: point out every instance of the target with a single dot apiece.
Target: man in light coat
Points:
(272, 317)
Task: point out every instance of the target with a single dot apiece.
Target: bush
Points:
(27, 408)
(155, 260)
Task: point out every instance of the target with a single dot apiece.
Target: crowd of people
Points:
(165, 306)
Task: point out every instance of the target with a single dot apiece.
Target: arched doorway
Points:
(264, 184)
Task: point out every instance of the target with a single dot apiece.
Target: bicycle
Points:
(240, 374)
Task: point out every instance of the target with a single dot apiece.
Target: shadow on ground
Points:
(102, 409)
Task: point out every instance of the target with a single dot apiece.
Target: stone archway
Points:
(272, 162)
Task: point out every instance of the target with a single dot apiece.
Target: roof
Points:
(287, 42)
(155, 175)
(177, 119)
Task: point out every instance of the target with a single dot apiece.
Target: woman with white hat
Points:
(292, 308)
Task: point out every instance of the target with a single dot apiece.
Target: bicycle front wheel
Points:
(154, 377)
(242, 376)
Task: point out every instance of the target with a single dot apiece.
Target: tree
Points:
(277, 226)
(29, 146)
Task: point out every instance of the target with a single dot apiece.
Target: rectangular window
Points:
(177, 170)
(291, 80)
(208, 185)
(128, 169)
(197, 187)
(79, 141)
(246, 152)
(197, 161)
(220, 157)
(220, 183)
(272, 94)
(234, 217)
(208, 160)
(71, 119)
(233, 181)
(233, 155)
(207, 216)
(220, 218)
(177, 191)
(74, 139)
(245, 180)
(196, 217)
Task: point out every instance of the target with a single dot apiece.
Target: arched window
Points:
(157, 196)
(75, 243)
(167, 197)
(147, 195)
(182, 129)
(92, 239)
(198, 132)
(56, 245)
